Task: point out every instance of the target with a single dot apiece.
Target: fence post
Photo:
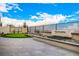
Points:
(27, 30)
(43, 28)
(55, 26)
(35, 29)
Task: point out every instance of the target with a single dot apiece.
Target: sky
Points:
(35, 14)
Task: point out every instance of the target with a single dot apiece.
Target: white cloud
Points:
(74, 14)
(44, 19)
(34, 17)
(5, 7)
(6, 20)
(15, 22)
(77, 12)
(48, 18)
(19, 8)
(72, 18)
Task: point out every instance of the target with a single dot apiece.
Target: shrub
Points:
(16, 35)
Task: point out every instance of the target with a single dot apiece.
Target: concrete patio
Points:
(30, 47)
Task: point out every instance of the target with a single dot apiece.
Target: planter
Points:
(61, 33)
(15, 35)
(75, 36)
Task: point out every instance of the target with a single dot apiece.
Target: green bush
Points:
(16, 35)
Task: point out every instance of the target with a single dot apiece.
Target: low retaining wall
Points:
(75, 36)
(69, 46)
(62, 33)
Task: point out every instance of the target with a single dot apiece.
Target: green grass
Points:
(16, 35)
(0, 35)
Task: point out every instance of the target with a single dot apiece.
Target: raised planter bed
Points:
(75, 36)
(61, 33)
(15, 35)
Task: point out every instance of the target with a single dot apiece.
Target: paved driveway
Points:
(29, 47)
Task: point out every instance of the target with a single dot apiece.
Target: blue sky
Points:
(38, 12)
(31, 9)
